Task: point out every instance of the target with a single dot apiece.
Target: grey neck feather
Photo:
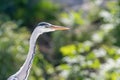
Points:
(24, 71)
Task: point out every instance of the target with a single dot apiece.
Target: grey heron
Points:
(23, 72)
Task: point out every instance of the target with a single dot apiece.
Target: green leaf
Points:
(68, 50)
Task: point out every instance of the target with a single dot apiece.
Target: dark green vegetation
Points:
(90, 50)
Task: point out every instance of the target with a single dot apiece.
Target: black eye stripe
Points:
(41, 24)
(44, 24)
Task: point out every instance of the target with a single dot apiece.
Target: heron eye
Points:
(47, 26)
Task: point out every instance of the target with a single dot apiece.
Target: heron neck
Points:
(25, 69)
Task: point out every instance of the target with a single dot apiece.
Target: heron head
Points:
(47, 27)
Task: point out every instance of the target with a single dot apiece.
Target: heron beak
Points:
(55, 27)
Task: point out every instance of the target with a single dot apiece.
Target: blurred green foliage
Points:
(29, 12)
(12, 42)
(90, 50)
(97, 56)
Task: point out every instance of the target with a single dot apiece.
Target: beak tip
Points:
(66, 28)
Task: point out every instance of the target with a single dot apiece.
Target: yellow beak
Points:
(59, 27)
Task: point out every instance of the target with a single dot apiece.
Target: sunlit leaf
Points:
(68, 50)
